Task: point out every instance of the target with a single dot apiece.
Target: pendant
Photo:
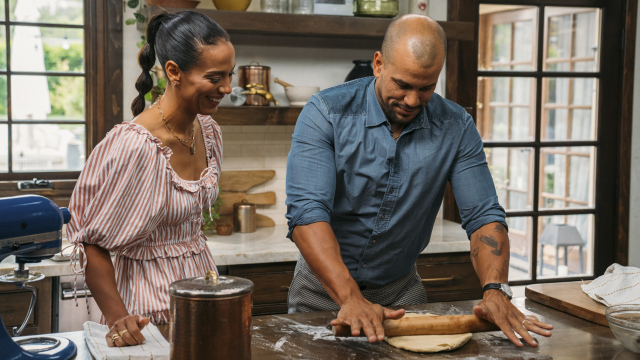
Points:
(193, 148)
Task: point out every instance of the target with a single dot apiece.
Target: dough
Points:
(428, 343)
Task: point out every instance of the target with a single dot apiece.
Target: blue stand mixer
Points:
(31, 230)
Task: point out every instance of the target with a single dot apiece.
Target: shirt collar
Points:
(375, 115)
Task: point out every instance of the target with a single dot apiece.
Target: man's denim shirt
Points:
(381, 197)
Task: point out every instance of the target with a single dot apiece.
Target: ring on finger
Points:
(114, 337)
(122, 332)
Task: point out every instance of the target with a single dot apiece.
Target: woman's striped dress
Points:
(130, 201)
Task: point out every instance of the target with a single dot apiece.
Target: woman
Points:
(143, 189)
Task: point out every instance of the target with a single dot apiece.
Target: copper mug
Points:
(211, 318)
(255, 74)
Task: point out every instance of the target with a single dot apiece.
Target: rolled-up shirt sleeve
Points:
(311, 169)
(472, 183)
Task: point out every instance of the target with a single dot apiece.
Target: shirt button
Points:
(391, 191)
(364, 265)
(382, 216)
(374, 241)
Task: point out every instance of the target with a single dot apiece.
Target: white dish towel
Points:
(620, 285)
(155, 346)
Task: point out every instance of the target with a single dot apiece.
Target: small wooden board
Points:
(568, 297)
(242, 181)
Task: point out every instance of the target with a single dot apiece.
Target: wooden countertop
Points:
(305, 336)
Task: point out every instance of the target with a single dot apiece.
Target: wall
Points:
(634, 217)
(266, 147)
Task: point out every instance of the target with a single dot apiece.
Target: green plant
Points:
(208, 224)
(137, 15)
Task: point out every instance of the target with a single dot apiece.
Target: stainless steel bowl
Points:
(624, 321)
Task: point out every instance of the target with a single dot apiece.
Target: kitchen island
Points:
(306, 336)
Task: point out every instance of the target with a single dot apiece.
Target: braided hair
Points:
(175, 37)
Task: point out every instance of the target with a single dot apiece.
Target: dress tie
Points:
(79, 248)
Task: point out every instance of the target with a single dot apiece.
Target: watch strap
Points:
(492, 286)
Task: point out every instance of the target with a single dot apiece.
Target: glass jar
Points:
(375, 8)
(275, 6)
(302, 7)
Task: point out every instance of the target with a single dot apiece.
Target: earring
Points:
(175, 83)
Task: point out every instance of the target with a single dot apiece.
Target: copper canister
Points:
(255, 74)
(211, 318)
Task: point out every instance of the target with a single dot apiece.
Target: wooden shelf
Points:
(257, 115)
(339, 27)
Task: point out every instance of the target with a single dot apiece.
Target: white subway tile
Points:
(275, 162)
(231, 150)
(264, 150)
(253, 129)
(243, 138)
(278, 138)
(243, 163)
(275, 129)
(227, 129)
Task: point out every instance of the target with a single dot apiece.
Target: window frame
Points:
(103, 82)
(613, 143)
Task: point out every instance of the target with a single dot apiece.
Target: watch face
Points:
(506, 289)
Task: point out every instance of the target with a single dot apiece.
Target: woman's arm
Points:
(101, 278)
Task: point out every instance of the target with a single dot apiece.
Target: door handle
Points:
(440, 281)
(284, 288)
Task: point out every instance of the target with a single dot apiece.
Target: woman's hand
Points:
(126, 331)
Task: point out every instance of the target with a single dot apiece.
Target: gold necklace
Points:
(192, 147)
(396, 137)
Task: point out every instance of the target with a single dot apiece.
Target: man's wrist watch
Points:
(506, 290)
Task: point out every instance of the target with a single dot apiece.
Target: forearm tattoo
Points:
(500, 229)
(492, 242)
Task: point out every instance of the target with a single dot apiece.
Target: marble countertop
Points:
(266, 245)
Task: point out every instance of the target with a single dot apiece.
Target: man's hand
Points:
(496, 308)
(362, 314)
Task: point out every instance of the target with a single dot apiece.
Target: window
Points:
(538, 87)
(43, 82)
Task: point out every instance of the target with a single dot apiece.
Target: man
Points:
(366, 175)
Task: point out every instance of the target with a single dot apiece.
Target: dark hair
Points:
(175, 37)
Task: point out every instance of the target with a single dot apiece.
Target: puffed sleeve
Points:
(121, 191)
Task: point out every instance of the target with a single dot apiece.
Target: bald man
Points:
(366, 175)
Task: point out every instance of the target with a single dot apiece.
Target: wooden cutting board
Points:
(568, 297)
(234, 186)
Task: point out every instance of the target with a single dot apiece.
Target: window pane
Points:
(570, 109)
(507, 108)
(48, 147)
(3, 98)
(567, 177)
(47, 97)
(572, 36)
(42, 49)
(501, 43)
(523, 41)
(520, 230)
(510, 171)
(565, 245)
(559, 37)
(4, 148)
(3, 48)
(507, 37)
(2, 18)
(47, 11)
(585, 43)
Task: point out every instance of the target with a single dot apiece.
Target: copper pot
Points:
(255, 74)
(211, 318)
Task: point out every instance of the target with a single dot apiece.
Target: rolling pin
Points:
(427, 325)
